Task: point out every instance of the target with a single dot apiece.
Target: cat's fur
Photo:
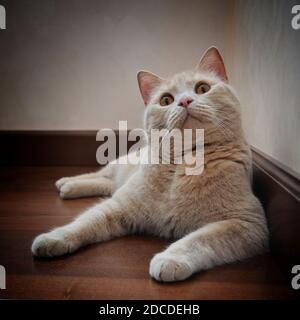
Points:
(215, 216)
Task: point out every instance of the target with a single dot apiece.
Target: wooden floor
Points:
(118, 269)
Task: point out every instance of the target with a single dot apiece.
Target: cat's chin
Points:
(191, 122)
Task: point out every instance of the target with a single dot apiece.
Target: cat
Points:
(214, 217)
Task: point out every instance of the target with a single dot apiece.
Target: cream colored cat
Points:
(215, 216)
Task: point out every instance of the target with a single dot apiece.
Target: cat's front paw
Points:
(59, 183)
(54, 243)
(71, 190)
(68, 188)
(169, 267)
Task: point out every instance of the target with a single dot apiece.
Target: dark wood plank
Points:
(118, 269)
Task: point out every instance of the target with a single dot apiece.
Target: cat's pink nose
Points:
(184, 102)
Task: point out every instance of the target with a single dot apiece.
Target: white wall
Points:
(265, 70)
(72, 64)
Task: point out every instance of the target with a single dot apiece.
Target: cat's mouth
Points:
(177, 118)
(190, 122)
(191, 117)
(201, 112)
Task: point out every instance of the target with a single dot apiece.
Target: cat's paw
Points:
(68, 188)
(59, 183)
(54, 243)
(71, 190)
(167, 268)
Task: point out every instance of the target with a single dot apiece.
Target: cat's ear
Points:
(212, 61)
(147, 82)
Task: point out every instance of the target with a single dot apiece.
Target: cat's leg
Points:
(93, 175)
(106, 172)
(214, 244)
(86, 188)
(102, 222)
(98, 183)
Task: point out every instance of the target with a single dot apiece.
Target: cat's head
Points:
(201, 98)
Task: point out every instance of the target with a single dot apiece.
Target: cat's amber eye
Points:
(166, 99)
(202, 87)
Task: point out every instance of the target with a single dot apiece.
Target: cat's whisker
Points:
(224, 129)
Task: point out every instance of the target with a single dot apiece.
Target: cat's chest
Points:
(167, 186)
